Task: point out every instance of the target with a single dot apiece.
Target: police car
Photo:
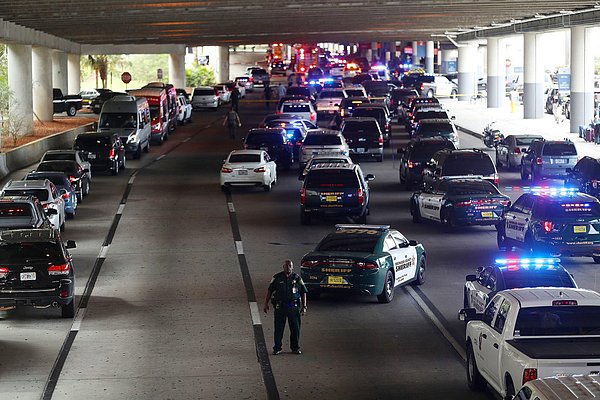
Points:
(459, 201)
(510, 272)
(560, 221)
(364, 259)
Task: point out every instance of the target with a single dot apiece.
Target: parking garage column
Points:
(533, 74)
(19, 83)
(496, 71)
(73, 73)
(467, 67)
(177, 70)
(42, 83)
(448, 56)
(429, 57)
(582, 78)
(59, 70)
(222, 71)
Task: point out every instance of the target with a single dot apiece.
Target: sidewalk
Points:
(472, 117)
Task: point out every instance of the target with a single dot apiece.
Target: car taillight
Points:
(45, 205)
(62, 269)
(365, 265)
(73, 178)
(3, 272)
(309, 263)
(547, 225)
(65, 196)
(303, 195)
(496, 179)
(226, 170)
(410, 164)
(529, 374)
(422, 86)
(517, 150)
(218, 93)
(538, 161)
(260, 169)
(312, 116)
(342, 112)
(251, 79)
(467, 203)
(360, 196)
(111, 153)
(278, 112)
(380, 141)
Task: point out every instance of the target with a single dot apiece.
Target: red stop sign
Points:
(126, 77)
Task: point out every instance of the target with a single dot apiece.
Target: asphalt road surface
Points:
(171, 275)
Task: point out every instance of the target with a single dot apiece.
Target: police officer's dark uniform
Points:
(286, 299)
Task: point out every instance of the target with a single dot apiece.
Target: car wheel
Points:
(596, 259)
(414, 211)
(447, 219)
(68, 310)
(510, 389)
(87, 188)
(304, 217)
(501, 237)
(388, 288)
(421, 272)
(453, 94)
(79, 197)
(123, 163)
(138, 152)
(474, 379)
(267, 188)
(71, 111)
(524, 174)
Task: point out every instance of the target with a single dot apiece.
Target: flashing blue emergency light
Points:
(544, 190)
(328, 80)
(527, 261)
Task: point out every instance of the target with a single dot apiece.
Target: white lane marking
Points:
(437, 322)
(230, 207)
(121, 208)
(239, 247)
(161, 157)
(131, 179)
(103, 251)
(78, 319)
(186, 140)
(255, 313)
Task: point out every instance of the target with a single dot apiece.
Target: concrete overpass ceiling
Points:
(246, 22)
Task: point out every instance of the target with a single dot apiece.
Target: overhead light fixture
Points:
(464, 29)
(597, 5)
(451, 33)
(496, 24)
(515, 21)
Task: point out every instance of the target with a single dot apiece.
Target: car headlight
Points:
(132, 138)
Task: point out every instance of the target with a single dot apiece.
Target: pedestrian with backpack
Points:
(232, 120)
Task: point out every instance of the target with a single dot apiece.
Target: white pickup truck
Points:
(525, 334)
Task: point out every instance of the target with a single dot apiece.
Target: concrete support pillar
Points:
(467, 65)
(19, 83)
(582, 77)
(369, 55)
(374, 51)
(415, 52)
(177, 70)
(496, 72)
(60, 73)
(42, 83)
(73, 73)
(429, 56)
(533, 74)
(222, 72)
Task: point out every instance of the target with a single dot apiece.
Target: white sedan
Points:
(185, 110)
(248, 168)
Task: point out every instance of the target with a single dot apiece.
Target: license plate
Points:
(580, 229)
(92, 156)
(487, 214)
(560, 161)
(242, 172)
(335, 280)
(331, 199)
(360, 150)
(28, 276)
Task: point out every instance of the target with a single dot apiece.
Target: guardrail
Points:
(31, 153)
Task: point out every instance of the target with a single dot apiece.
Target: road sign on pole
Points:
(126, 77)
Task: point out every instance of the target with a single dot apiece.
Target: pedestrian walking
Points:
(232, 120)
(235, 98)
(281, 90)
(267, 95)
(287, 294)
(557, 108)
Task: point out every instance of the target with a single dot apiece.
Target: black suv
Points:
(398, 95)
(380, 114)
(585, 176)
(414, 157)
(364, 137)
(36, 270)
(335, 189)
(17, 212)
(104, 151)
(260, 77)
(274, 142)
(75, 173)
(463, 163)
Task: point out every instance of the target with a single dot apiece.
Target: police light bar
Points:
(527, 261)
(359, 226)
(379, 67)
(544, 190)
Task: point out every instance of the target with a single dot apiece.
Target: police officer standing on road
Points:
(287, 293)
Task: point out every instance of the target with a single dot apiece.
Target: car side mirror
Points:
(51, 211)
(412, 243)
(467, 314)
(70, 244)
(471, 278)
(370, 177)
(94, 126)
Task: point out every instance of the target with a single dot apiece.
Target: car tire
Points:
(510, 389)
(596, 259)
(123, 164)
(387, 294)
(475, 381)
(304, 217)
(71, 111)
(267, 188)
(138, 153)
(414, 211)
(524, 174)
(68, 310)
(447, 220)
(114, 171)
(453, 94)
(87, 188)
(80, 197)
(421, 272)
(501, 237)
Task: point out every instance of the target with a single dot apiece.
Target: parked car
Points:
(510, 150)
(245, 81)
(548, 159)
(64, 186)
(72, 155)
(66, 103)
(414, 157)
(260, 76)
(322, 142)
(97, 103)
(104, 151)
(185, 110)
(447, 164)
(20, 212)
(364, 137)
(205, 97)
(76, 175)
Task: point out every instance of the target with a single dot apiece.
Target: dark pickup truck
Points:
(68, 104)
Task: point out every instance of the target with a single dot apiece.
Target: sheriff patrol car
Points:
(364, 259)
(459, 201)
(560, 221)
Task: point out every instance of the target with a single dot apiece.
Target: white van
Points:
(129, 117)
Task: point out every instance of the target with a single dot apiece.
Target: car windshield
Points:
(360, 127)
(204, 92)
(468, 164)
(426, 151)
(67, 167)
(436, 129)
(346, 242)
(431, 115)
(526, 140)
(322, 140)
(41, 194)
(296, 108)
(355, 92)
(559, 149)
(263, 137)
(567, 209)
(59, 156)
(537, 278)
(92, 141)
(118, 120)
(558, 321)
(474, 187)
(332, 178)
(30, 252)
(241, 158)
(11, 210)
(54, 178)
(331, 94)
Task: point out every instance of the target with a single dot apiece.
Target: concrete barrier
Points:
(31, 153)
